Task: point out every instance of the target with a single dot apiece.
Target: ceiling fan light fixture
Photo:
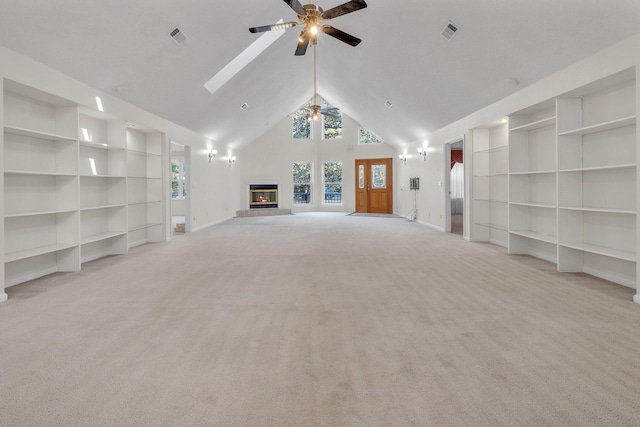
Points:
(311, 16)
(315, 113)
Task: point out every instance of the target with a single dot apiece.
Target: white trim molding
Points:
(435, 227)
(211, 224)
(636, 298)
(4, 297)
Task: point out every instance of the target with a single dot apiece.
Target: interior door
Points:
(374, 185)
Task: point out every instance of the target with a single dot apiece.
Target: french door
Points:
(374, 185)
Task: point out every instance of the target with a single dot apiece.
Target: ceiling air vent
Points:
(244, 106)
(449, 31)
(178, 36)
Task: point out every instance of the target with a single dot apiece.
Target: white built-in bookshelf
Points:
(572, 180)
(66, 194)
(103, 186)
(490, 184)
(597, 203)
(144, 166)
(532, 182)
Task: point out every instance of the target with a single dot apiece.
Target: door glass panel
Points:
(361, 176)
(378, 176)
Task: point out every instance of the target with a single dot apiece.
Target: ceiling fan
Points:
(311, 15)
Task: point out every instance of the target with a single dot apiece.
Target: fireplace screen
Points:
(263, 197)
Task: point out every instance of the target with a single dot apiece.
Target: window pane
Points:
(301, 183)
(332, 172)
(302, 173)
(301, 123)
(332, 122)
(366, 137)
(379, 176)
(175, 170)
(302, 194)
(175, 193)
(178, 189)
(361, 176)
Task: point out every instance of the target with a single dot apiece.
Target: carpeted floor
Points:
(319, 320)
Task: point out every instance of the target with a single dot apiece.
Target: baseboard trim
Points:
(211, 224)
(636, 298)
(499, 243)
(545, 257)
(4, 297)
(435, 227)
(137, 243)
(32, 276)
(610, 277)
(98, 256)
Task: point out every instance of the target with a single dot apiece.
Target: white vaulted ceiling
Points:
(123, 47)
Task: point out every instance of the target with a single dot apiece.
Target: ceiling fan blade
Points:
(281, 26)
(343, 9)
(296, 6)
(303, 43)
(330, 109)
(341, 35)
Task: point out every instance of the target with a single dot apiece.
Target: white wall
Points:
(270, 158)
(431, 197)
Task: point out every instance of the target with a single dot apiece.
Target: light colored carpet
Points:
(319, 320)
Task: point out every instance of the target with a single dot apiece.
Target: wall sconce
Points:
(212, 154)
(232, 159)
(403, 158)
(423, 152)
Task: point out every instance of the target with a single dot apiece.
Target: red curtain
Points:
(456, 157)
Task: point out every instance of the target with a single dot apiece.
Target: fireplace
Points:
(263, 196)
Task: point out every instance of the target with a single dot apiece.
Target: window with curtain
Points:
(457, 182)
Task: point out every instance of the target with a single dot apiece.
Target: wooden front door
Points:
(374, 185)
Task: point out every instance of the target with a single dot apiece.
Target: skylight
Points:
(242, 60)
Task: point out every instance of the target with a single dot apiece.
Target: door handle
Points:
(368, 188)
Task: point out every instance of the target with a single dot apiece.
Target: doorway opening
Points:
(374, 186)
(454, 180)
(180, 186)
